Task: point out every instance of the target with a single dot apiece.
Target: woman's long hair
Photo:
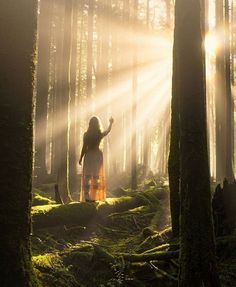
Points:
(94, 132)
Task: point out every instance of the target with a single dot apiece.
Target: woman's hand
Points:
(111, 120)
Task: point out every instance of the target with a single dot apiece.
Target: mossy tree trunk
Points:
(17, 52)
(197, 256)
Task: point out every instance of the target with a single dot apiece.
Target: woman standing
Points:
(93, 177)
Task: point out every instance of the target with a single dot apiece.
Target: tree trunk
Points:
(125, 51)
(173, 161)
(220, 104)
(59, 22)
(63, 102)
(197, 252)
(44, 37)
(18, 31)
(90, 57)
(229, 101)
(73, 178)
(146, 135)
(134, 103)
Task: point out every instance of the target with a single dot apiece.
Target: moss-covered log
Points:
(161, 255)
(70, 214)
(17, 31)
(41, 200)
(86, 213)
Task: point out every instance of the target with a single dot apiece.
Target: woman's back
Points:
(92, 139)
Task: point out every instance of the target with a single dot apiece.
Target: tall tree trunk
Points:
(57, 118)
(125, 52)
(18, 29)
(197, 256)
(229, 101)
(233, 40)
(73, 180)
(90, 56)
(44, 37)
(116, 153)
(63, 97)
(104, 70)
(220, 103)
(146, 139)
(134, 103)
(173, 161)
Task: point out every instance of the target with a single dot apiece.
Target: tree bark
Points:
(197, 247)
(220, 103)
(18, 30)
(174, 161)
(229, 101)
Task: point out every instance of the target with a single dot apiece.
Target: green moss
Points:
(40, 200)
(52, 272)
(46, 262)
(36, 210)
(69, 214)
(43, 193)
(117, 205)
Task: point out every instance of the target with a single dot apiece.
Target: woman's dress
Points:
(93, 176)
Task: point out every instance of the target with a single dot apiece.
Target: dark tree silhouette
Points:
(229, 101)
(220, 104)
(197, 256)
(173, 162)
(17, 52)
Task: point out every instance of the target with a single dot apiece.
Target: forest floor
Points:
(125, 241)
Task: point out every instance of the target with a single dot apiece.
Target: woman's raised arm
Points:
(106, 132)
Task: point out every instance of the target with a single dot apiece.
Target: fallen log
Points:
(149, 257)
(162, 272)
(82, 213)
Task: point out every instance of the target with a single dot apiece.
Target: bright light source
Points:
(211, 44)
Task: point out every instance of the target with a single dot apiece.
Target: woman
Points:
(93, 179)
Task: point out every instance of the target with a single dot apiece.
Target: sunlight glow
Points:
(211, 44)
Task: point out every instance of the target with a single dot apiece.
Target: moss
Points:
(69, 214)
(52, 272)
(46, 262)
(36, 210)
(40, 200)
(41, 192)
